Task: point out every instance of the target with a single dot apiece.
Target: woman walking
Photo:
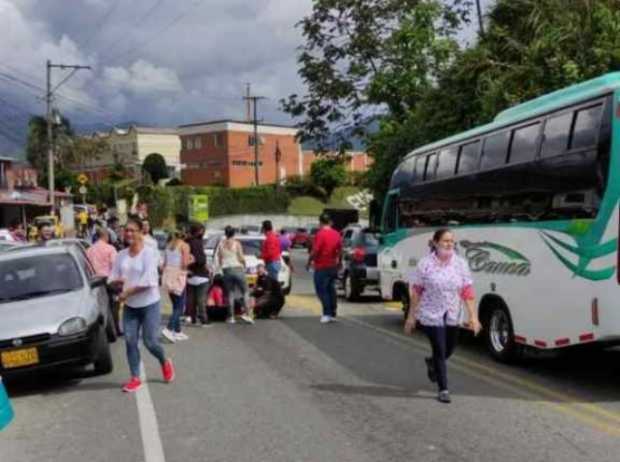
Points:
(440, 282)
(135, 275)
(177, 258)
(232, 262)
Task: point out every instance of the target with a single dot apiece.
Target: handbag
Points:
(6, 411)
(174, 280)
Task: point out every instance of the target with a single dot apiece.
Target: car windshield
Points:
(31, 277)
(370, 239)
(252, 246)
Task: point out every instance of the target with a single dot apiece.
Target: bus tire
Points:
(499, 333)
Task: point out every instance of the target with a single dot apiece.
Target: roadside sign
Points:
(82, 179)
(199, 207)
(83, 190)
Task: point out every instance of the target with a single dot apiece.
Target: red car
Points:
(300, 238)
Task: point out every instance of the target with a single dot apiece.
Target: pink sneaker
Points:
(167, 371)
(133, 385)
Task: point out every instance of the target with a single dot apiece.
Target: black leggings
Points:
(443, 341)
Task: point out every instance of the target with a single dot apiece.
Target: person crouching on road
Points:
(231, 260)
(102, 256)
(325, 256)
(135, 274)
(267, 296)
(271, 253)
(439, 283)
(177, 258)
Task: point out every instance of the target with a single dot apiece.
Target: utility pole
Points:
(278, 155)
(49, 96)
(255, 100)
(480, 22)
(248, 107)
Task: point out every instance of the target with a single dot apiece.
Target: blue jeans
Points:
(234, 279)
(325, 287)
(178, 307)
(147, 318)
(273, 269)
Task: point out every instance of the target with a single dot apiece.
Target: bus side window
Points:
(390, 222)
(557, 133)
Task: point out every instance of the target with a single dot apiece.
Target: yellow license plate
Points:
(19, 358)
(251, 280)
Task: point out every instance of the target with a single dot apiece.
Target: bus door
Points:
(388, 260)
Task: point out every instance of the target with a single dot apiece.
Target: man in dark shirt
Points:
(325, 256)
(198, 276)
(267, 295)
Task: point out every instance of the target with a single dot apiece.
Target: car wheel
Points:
(500, 335)
(287, 291)
(351, 289)
(103, 362)
(110, 330)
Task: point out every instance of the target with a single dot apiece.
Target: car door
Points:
(98, 293)
(347, 246)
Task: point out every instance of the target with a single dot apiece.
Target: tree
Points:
(37, 145)
(370, 55)
(328, 173)
(155, 165)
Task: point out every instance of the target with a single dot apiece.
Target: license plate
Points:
(19, 358)
(251, 280)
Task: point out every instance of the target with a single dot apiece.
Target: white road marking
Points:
(149, 429)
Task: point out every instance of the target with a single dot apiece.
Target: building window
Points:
(218, 140)
(190, 144)
(246, 163)
(197, 143)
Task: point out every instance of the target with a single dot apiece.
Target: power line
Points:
(157, 34)
(99, 26)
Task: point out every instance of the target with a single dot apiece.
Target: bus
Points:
(533, 200)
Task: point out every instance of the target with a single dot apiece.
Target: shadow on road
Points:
(377, 358)
(54, 383)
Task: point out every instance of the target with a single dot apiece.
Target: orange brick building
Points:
(221, 153)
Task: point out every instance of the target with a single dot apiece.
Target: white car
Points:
(251, 252)
(5, 235)
(210, 241)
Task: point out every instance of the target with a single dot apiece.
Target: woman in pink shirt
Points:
(102, 255)
(440, 283)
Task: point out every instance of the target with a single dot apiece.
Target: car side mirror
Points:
(97, 281)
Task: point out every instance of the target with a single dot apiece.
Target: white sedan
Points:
(251, 252)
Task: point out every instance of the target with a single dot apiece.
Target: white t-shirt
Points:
(138, 271)
(149, 241)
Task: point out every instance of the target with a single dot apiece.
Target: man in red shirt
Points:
(270, 251)
(325, 255)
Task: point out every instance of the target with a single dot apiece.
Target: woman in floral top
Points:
(439, 284)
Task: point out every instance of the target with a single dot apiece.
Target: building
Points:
(129, 147)
(356, 161)
(21, 198)
(221, 153)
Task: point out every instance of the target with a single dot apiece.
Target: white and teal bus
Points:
(533, 199)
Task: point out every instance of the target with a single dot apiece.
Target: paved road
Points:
(293, 390)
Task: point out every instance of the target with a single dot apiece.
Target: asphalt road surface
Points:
(295, 390)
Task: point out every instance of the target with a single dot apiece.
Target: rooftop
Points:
(232, 121)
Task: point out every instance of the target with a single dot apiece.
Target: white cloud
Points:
(142, 78)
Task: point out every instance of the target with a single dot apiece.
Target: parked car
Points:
(55, 311)
(311, 236)
(251, 252)
(300, 238)
(210, 244)
(250, 230)
(359, 261)
(5, 235)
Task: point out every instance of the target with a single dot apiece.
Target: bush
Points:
(303, 186)
(166, 203)
(328, 174)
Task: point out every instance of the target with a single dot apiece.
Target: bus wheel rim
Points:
(499, 331)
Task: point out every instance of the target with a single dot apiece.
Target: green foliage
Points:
(166, 203)
(155, 165)
(37, 145)
(304, 186)
(405, 57)
(328, 174)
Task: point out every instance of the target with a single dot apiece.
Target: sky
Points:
(155, 62)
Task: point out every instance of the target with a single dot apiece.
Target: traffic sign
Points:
(83, 190)
(82, 179)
